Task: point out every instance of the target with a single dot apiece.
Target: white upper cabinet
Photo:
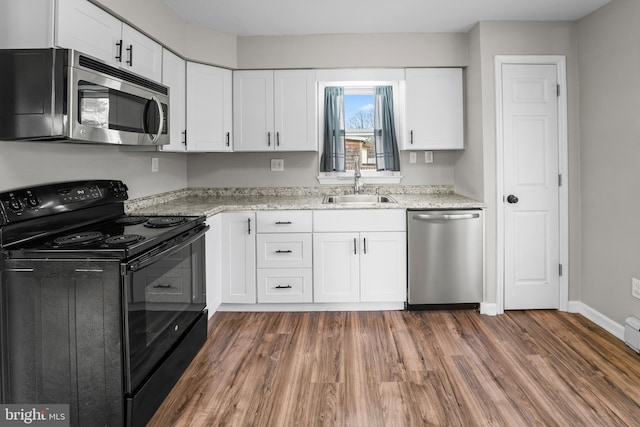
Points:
(174, 75)
(434, 109)
(274, 110)
(209, 109)
(140, 54)
(83, 26)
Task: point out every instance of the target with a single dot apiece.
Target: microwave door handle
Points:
(161, 123)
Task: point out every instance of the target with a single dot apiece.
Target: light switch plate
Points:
(277, 165)
(413, 157)
(154, 164)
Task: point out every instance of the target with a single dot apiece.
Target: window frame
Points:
(368, 176)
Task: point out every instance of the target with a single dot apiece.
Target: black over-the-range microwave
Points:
(64, 95)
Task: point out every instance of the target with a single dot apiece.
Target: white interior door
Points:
(531, 186)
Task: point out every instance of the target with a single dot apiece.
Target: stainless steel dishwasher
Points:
(445, 259)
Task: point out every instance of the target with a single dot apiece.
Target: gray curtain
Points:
(387, 156)
(333, 153)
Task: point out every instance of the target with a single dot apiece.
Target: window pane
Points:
(358, 113)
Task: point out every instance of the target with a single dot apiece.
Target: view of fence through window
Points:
(358, 117)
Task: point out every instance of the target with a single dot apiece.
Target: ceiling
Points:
(297, 17)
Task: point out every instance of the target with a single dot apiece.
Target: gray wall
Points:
(30, 163)
(609, 41)
(489, 39)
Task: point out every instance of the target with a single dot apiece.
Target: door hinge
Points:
(557, 90)
(559, 180)
(560, 269)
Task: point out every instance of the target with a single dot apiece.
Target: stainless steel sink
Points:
(358, 198)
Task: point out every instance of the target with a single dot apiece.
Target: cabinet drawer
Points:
(356, 220)
(277, 285)
(284, 221)
(292, 250)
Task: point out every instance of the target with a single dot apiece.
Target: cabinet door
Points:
(336, 265)
(295, 110)
(175, 77)
(27, 24)
(140, 54)
(208, 108)
(434, 113)
(383, 267)
(238, 257)
(253, 111)
(85, 27)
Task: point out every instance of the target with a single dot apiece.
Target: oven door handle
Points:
(160, 252)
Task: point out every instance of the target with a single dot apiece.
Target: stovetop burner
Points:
(83, 238)
(123, 240)
(131, 220)
(165, 221)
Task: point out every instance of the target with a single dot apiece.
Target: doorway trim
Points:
(563, 168)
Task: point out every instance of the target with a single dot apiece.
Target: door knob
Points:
(512, 199)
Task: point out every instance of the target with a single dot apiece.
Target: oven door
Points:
(164, 293)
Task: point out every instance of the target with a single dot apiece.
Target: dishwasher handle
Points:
(432, 217)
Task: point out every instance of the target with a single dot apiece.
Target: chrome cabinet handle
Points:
(184, 142)
(411, 137)
(284, 252)
(228, 138)
(278, 139)
(284, 287)
(162, 286)
(269, 139)
(249, 224)
(365, 245)
(355, 248)
(283, 222)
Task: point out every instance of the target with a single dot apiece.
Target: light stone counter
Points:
(210, 201)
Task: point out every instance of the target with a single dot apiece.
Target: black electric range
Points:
(84, 219)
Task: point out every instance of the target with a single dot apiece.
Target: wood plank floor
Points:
(395, 368)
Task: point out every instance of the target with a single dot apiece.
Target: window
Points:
(359, 106)
(358, 121)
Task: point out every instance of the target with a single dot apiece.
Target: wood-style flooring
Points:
(395, 368)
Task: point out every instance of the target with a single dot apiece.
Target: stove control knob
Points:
(15, 204)
(32, 201)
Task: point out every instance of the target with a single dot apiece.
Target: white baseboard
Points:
(598, 318)
(489, 308)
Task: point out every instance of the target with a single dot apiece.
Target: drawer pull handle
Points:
(283, 222)
(284, 252)
(284, 287)
(162, 286)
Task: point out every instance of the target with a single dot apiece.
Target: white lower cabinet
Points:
(214, 254)
(238, 257)
(359, 256)
(284, 257)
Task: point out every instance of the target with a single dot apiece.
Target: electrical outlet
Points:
(277, 165)
(154, 164)
(635, 287)
(413, 157)
(428, 156)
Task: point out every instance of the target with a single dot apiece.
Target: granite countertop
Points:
(208, 202)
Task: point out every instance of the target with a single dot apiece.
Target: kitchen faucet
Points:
(356, 175)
